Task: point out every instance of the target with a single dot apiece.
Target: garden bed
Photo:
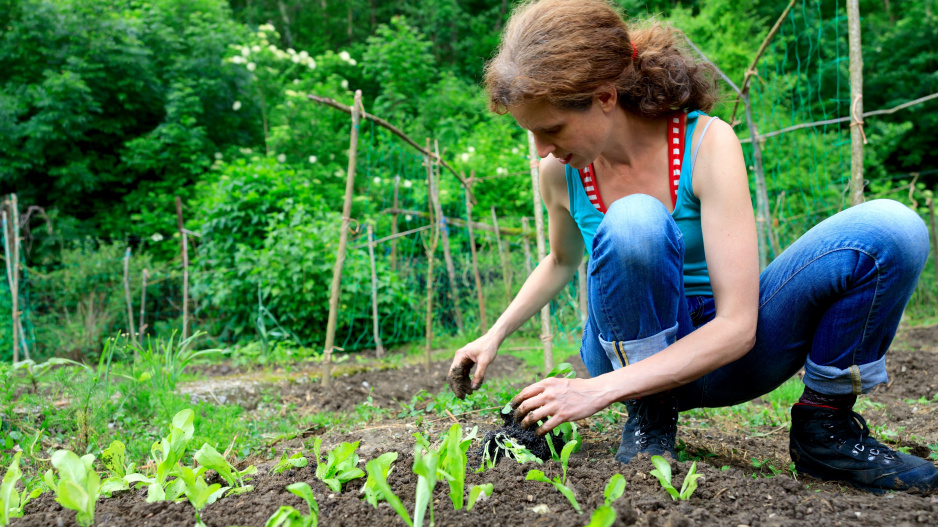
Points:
(734, 489)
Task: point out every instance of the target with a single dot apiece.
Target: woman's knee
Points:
(639, 230)
(899, 234)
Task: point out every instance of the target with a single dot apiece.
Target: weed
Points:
(761, 466)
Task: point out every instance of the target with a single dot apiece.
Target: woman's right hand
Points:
(479, 353)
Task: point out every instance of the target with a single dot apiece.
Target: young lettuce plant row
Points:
(560, 483)
(662, 471)
(13, 502)
(287, 516)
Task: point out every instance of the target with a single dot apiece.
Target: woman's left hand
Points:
(564, 400)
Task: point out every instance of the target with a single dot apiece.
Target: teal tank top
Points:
(686, 214)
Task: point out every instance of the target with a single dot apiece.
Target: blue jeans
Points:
(830, 303)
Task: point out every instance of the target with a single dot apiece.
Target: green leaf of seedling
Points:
(550, 445)
(425, 466)
(614, 489)
(286, 516)
(690, 482)
(453, 464)
(537, 475)
(113, 459)
(381, 484)
(565, 458)
(603, 516)
(383, 463)
(479, 492)
(208, 457)
(302, 490)
(9, 497)
(295, 461)
(663, 473)
(564, 369)
(79, 486)
(508, 408)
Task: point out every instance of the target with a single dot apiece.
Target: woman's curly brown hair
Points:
(562, 51)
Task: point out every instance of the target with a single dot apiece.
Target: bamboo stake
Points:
(343, 240)
(143, 301)
(7, 252)
(857, 137)
(17, 271)
(526, 246)
(934, 235)
(546, 336)
(431, 250)
(453, 293)
(475, 260)
(394, 215)
(506, 266)
(185, 269)
(379, 346)
(130, 308)
(582, 291)
(762, 197)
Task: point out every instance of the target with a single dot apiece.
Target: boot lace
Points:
(849, 426)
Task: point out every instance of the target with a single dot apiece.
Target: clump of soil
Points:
(459, 380)
(512, 429)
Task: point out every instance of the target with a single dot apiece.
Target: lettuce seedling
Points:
(198, 492)
(537, 475)
(113, 458)
(166, 454)
(287, 516)
(340, 467)
(208, 457)
(603, 516)
(614, 489)
(425, 466)
(382, 464)
(79, 486)
(663, 473)
(295, 461)
(453, 462)
(384, 490)
(12, 502)
(479, 493)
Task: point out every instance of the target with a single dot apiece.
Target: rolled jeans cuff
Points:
(855, 380)
(624, 352)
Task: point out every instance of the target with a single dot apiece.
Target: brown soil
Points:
(732, 492)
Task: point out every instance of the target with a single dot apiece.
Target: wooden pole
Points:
(343, 240)
(379, 346)
(11, 279)
(394, 215)
(447, 255)
(184, 250)
(506, 266)
(143, 301)
(546, 336)
(475, 260)
(526, 246)
(934, 236)
(762, 198)
(582, 291)
(130, 307)
(17, 271)
(431, 250)
(857, 137)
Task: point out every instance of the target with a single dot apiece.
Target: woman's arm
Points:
(548, 278)
(721, 184)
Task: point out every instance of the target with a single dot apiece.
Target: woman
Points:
(679, 316)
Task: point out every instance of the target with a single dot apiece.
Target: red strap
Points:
(588, 178)
(677, 124)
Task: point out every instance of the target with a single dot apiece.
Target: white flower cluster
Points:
(344, 55)
(245, 53)
(501, 171)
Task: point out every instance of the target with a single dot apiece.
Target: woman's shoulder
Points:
(553, 182)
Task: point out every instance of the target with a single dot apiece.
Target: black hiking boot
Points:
(835, 444)
(651, 427)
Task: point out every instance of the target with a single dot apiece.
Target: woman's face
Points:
(575, 138)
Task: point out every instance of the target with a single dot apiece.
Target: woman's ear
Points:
(607, 97)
